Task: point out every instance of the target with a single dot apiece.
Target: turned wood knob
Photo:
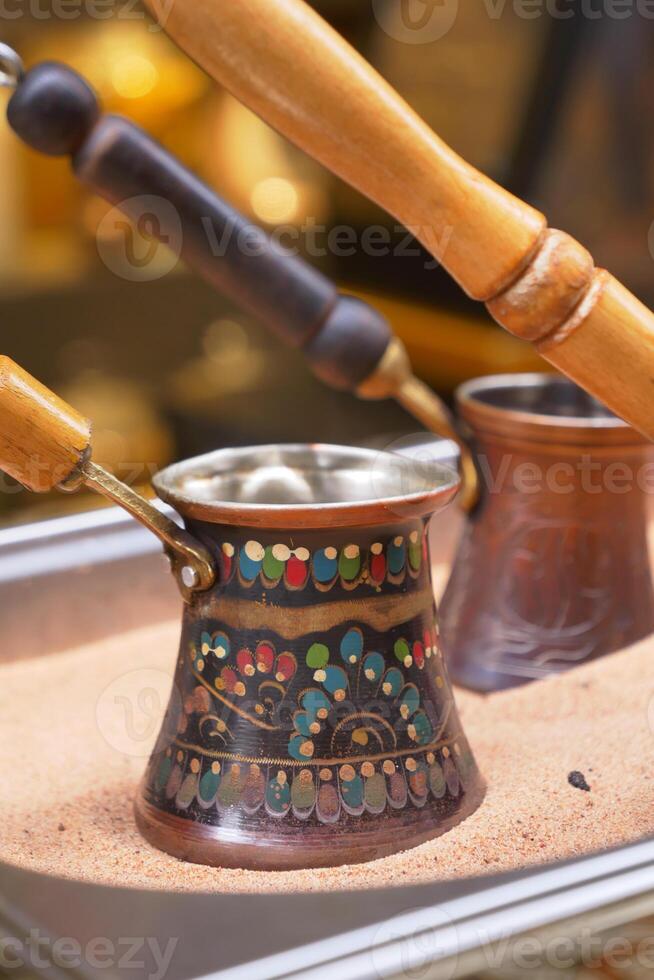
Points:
(42, 439)
(53, 109)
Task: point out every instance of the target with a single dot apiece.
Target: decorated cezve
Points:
(311, 689)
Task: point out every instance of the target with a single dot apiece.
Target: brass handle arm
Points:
(44, 443)
(394, 378)
(191, 563)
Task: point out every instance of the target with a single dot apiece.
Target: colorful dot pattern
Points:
(350, 565)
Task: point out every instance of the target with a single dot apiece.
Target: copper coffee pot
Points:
(553, 568)
(311, 720)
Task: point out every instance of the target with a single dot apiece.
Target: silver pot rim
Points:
(302, 485)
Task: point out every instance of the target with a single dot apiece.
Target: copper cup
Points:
(312, 721)
(553, 569)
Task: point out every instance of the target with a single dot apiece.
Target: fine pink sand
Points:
(68, 781)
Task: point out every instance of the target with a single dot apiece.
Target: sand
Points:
(70, 768)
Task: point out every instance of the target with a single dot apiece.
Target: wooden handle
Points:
(56, 112)
(281, 59)
(42, 439)
(342, 338)
(44, 442)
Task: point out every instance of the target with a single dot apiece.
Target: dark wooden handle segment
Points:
(342, 338)
(42, 439)
(56, 112)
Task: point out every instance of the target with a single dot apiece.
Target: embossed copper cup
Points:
(312, 721)
(553, 569)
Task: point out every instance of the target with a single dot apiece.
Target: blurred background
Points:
(555, 108)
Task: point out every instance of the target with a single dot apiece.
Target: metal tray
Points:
(452, 929)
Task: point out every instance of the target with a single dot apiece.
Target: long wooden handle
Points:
(281, 59)
(42, 439)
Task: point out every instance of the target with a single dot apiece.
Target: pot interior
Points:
(539, 394)
(259, 484)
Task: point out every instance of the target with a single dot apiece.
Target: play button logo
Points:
(416, 21)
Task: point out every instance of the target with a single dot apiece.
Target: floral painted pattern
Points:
(358, 737)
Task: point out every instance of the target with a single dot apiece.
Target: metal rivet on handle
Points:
(190, 577)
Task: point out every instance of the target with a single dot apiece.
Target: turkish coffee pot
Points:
(553, 568)
(312, 721)
(310, 700)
